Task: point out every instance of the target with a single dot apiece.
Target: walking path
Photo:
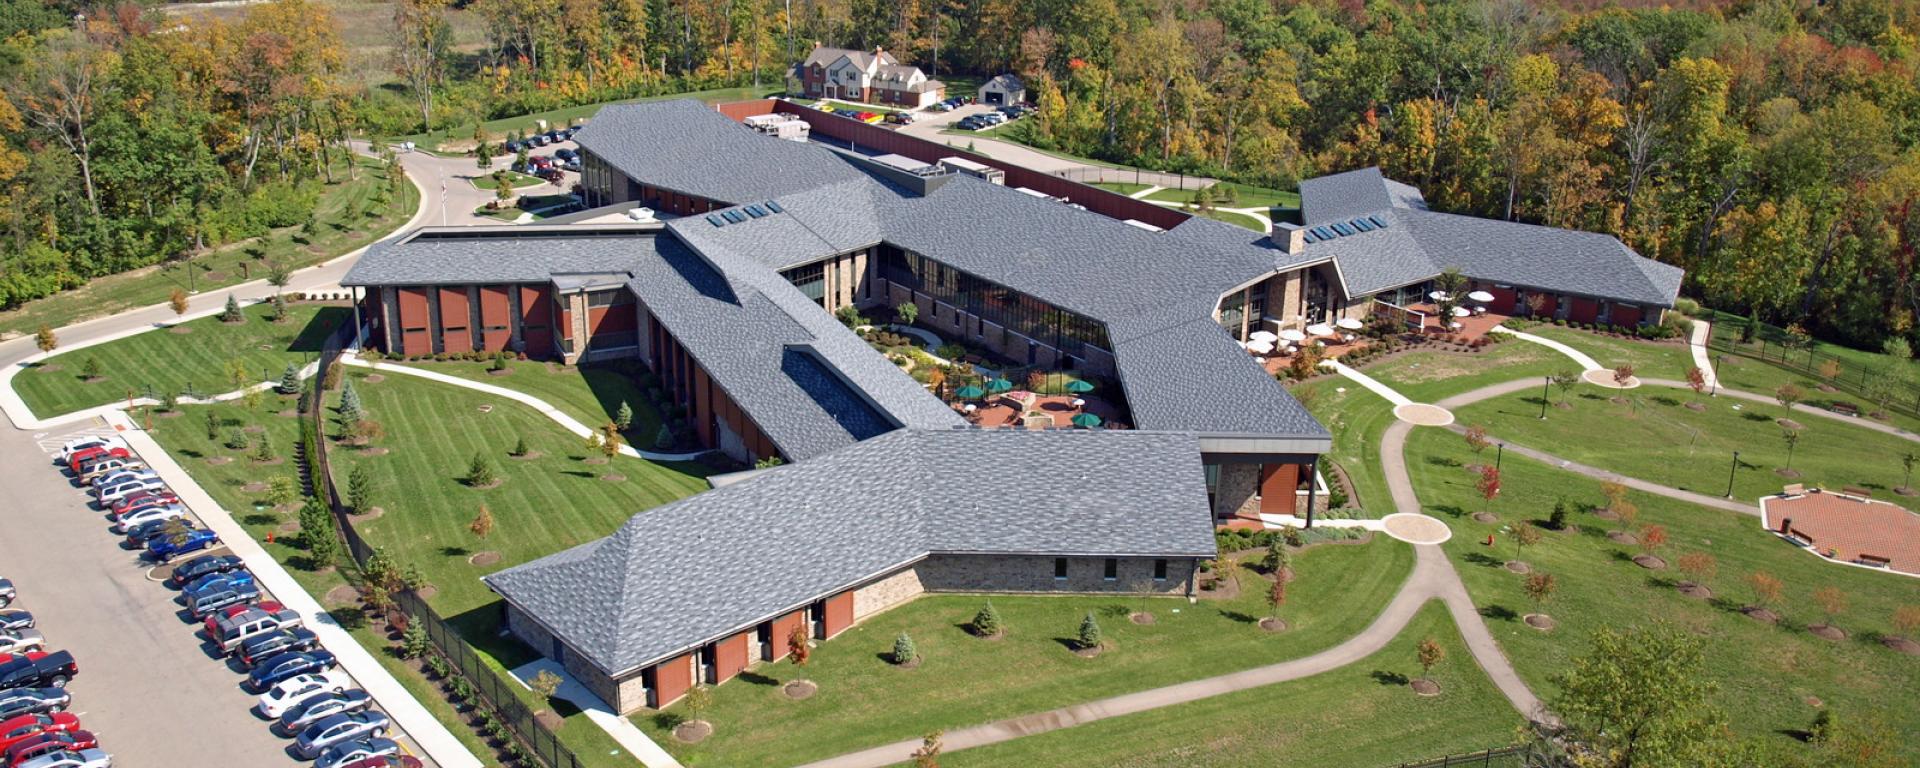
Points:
(1429, 580)
(1148, 191)
(426, 730)
(623, 731)
(1590, 369)
(1697, 339)
(1410, 528)
(1404, 408)
(570, 423)
(1885, 429)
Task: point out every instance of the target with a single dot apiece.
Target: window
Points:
(1112, 571)
(609, 298)
(413, 330)
(1160, 570)
(1060, 569)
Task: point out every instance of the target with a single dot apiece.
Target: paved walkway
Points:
(1404, 408)
(623, 731)
(1430, 580)
(1863, 423)
(1586, 361)
(407, 712)
(1372, 384)
(1697, 338)
(1151, 188)
(570, 423)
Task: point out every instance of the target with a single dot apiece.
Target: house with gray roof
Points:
(873, 77)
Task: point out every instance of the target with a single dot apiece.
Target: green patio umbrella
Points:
(970, 392)
(1079, 386)
(1087, 420)
(997, 386)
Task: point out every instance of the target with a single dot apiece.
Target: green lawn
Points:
(1122, 187)
(863, 701)
(1236, 219)
(518, 180)
(1358, 715)
(1356, 417)
(1245, 196)
(1655, 437)
(543, 505)
(168, 361)
(1766, 673)
(1430, 375)
(591, 393)
(561, 118)
(350, 213)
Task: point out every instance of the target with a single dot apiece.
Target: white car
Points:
(81, 444)
(21, 641)
(294, 690)
(86, 758)
(109, 493)
(121, 523)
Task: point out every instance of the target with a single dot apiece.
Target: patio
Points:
(1846, 528)
(1026, 410)
(1472, 326)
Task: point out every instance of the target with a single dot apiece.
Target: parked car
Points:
(339, 729)
(540, 140)
(222, 598)
(7, 592)
(139, 535)
(142, 499)
(138, 515)
(23, 727)
(82, 443)
(290, 692)
(215, 583)
(511, 147)
(565, 154)
(164, 549)
(359, 749)
(261, 647)
(118, 475)
(270, 672)
(86, 758)
(386, 761)
(231, 628)
(15, 618)
(85, 456)
(187, 572)
(320, 708)
(36, 669)
(95, 470)
(19, 640)
(108, 493)
(30, 701)
(50, 741)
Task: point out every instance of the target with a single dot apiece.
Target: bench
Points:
(1875, 561)
(1844, 409)
(1795, 489)
(1854, 490)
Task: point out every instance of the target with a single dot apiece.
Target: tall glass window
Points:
(811, 280)
(994, 303)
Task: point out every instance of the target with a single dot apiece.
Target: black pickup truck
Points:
(51, 670)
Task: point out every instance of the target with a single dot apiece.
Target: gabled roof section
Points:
(691, 148)
(1354, 193)
(456, 255)
(665, 582)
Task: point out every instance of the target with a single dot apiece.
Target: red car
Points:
(25, 727)
(213, 619)
(386, 761)
(49, 741)
(143, 499)
(87, 456)
(9, 658)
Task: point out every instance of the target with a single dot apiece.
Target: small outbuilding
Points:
(1003, 90)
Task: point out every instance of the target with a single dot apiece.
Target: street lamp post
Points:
(1730, 470)
(1546, 392)
(1719, 361)
(1499, 451)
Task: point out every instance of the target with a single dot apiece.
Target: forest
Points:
(1769, 147)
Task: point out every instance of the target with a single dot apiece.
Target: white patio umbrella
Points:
(1350, 323)
(1461, 311)
(1320, 329)
(1480, 296)
(1293, 335)
(1437, 295)
(1262, 347)
(1266, 336)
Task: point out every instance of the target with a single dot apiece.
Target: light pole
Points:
(1546, 392)
(1719, 361)
(1499, 451)
(1730, 470)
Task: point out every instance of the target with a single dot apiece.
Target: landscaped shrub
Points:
(663, 439)
(987, 622)
(904, 651)
(1089, 634)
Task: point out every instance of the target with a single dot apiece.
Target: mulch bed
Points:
(1539, 621)
(1697, 407)
(372, 513)
(1695, 591)
(341, 595)
(374, 378)
(1901, 644)
(995, 637)
(1087, 653)
(219, 460)
(548, 718)
(614, 477)
(254, 487)
(487, 486)
(48, 367)
(488, 557)
(273, 462)
(289, 527)
(426, 592)
(1486, 517)
(501, 372)
(1787, 473)
(800, 690)
(692, 731)
(596, 460)
(168, 414)
(1828, 632)
(1623, 537)
(528, 456)
(913, 663)
(1141, 617)
(1425, 687)
(288, 413)
(93, 379)
(1649, 562)
(1761, 615)
(1905, 491)
(375, 450)
(1517, 566)
(1606, 513)
(1273, 625)
(253, 429)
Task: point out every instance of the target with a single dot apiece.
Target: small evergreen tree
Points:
(263, 449)
(90, 368)
(1557, 519)
(1089, 635)
(279, 307)
(904, 651)
(519, 448)
(213, 426)
(1277, 557)
(624, 417)
(236, 439)
(986, 623)
(317, 535)
(415, 643)
(289, 381)
(350, 407)
(231, 313)
(663, 439)
(360, 489)
(480, 471)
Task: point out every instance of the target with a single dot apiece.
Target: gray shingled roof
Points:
(826, 56)
(1353, 193)
(689, 572)
(687, 146)
(458, 255)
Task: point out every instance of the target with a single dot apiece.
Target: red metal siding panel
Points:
(1584, 310)
(783, 628)
(671, 679)
(702, 410)
(536, 319)
(1625, 315)
(730, 656)
(839, 613)
(1278, 483)
(415, 332)
(455, 316)
(495, 312)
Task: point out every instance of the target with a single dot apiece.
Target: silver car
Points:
(21, 640)
(86, 758)
(339, 729)
(319, 708)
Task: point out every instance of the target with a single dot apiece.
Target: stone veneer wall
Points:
(1028, 573)
(889, 591)
(615, 694)
(1238, 491)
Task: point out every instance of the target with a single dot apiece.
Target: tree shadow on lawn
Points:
(1498, 613)
(1240, 616)
(1389, 679)
(314, 336)
(1443, 461)
(453, 551)
(1485, 560)
(1755, 416)
(579, 473)
(758, 679)
(1450, 510)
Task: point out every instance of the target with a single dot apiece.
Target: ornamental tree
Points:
(1276, 597)
(1698, 566)
(1652, 538)
(44, 338)
(178, 301)
(986, 622)
(1642, 692)
(1906, 619)
(1765, 587)
(1428, 653)
(1088, 637)
(1832, 601)
(904, 651)
(1696, 379)
(797, 649)
(482, 525)
(1489, 485)
(1788, 394)
(1622, 374)
(1524, 535)
(1476, 436)
(1565, 382)
(1539, 587)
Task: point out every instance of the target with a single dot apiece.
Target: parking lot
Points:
(149, 686)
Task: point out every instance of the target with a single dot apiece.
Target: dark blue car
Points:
(164, 549)
(287, 665)
(201, 566)
(218, 582)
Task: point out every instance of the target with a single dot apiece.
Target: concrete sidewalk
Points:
(1697, 338)
(623, 731)
(433, 738)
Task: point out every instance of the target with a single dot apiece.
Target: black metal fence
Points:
(489, 684)
(1882, 386)
(1511, 756)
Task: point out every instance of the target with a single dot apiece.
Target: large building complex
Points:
(887, 491)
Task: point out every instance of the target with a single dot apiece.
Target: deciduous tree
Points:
(1640, 697)
(482, 525)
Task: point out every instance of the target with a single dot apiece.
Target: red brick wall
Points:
(730, 656)
(1584, 310)
(536, 308)
(454, 319)
(413, 314)
(671, 679)
(1278, 483)
(783, 628)
(495, 311)
(839, 613)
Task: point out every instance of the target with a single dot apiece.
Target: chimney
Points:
(1289, 237)
(816, 44)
